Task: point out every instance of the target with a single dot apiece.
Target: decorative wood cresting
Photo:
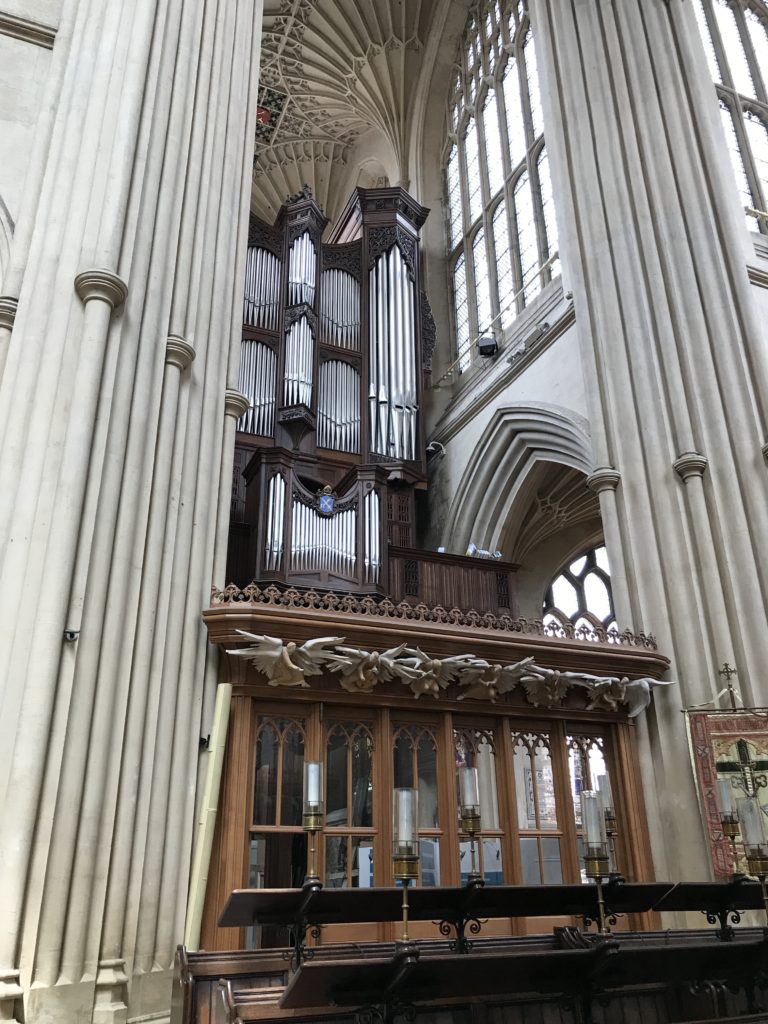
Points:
(360, 671)
(329, 601)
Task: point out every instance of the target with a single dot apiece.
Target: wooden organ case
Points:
(337, 336)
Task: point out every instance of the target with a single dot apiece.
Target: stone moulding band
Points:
(690, 464)
(178, 352)
(101, 284)
(8, 306)
(235, 404)
(332, 602)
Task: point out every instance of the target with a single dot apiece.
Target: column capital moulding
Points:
(690, 464)
(8, 306)
(101, 284)
(235, 404)
(606, 478)
(178, 352)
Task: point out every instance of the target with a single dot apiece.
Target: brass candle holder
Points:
(752, 822)
(609, 817)
(312, 816)
(729, 818)
(405, 844)
(596, 859)
(470, 817)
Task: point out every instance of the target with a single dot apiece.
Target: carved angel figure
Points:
(362, 670)
(434, 674)
(288, 664)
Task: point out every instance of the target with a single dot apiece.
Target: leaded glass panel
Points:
(472, 156)
(499, 199)
(482, 284)
(735, 38)
(493, 158)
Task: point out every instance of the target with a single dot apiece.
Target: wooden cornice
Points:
(439, 639)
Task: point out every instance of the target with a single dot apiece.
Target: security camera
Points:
(71, 634)
(436, 447)
(487, 346)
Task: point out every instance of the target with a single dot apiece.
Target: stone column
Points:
(654, 249)
(112, 442)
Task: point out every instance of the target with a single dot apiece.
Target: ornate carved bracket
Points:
(381, 240)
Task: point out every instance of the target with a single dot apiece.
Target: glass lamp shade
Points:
(725, 797)
(469, 789)
(752, 821)
(605, 794)
(313, 788)
(405, 823)
(593, 819)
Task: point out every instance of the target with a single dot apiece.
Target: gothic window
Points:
(735, 37)
(501, 228)
(580, 595)
(349, 833)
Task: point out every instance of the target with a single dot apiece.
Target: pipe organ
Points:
(336, 338)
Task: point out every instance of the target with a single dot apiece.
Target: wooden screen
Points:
(531, 773)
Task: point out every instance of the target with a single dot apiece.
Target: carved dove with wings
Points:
(288, 664)
(490, 680)
(434, 674)
(362, 670)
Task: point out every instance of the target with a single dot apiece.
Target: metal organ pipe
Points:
(392, 389)
(323, 543)
(338, 406)
(273, 551)
(302, 263)
(257, 382)
(261, 304)
(299, 352)
(339, 309)
(372, 551)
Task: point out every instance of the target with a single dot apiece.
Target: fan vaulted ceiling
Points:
(336, 98)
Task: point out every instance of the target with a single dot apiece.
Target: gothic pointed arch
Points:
(504, 470)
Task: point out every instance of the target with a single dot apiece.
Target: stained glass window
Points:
(500, 204)
(735, 38)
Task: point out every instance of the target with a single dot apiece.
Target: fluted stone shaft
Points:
(655, 250)
(122, 300)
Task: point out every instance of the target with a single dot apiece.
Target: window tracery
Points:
(499, 194)
(735, 38)
(581, 593)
